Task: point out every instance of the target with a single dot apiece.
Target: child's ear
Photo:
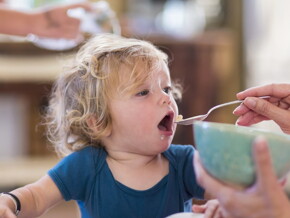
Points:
(92, 121)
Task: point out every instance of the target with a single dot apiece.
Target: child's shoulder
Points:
(90, 153)
(180, 156)
(175, 148)
(179, 151)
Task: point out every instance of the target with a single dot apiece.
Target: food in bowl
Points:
(226, 151)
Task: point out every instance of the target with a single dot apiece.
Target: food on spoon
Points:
(179, 118)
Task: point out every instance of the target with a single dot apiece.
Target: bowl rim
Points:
(242, 130)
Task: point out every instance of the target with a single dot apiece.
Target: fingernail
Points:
(238, 121)
(235, 110)
(251, 102)
(283, 181)
(260, 143)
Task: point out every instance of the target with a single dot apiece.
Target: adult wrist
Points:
(13, 198)
(33, 22)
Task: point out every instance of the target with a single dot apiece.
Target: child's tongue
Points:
(163, 124)
(161, 127)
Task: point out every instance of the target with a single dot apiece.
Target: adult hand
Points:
(265, 198)
(54, 22)
(276, 108)
(209, 210)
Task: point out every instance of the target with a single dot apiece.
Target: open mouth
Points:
(166, 123)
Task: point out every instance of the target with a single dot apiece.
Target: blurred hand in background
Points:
(51, 22)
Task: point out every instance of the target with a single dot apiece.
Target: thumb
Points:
(267, 109)
(267, 182)
(266, 178)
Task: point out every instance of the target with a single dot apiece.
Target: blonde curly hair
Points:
(106, 64)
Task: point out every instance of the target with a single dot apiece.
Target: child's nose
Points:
(165, 99)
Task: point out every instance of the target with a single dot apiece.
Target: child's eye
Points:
(167, 89)
(143, 93)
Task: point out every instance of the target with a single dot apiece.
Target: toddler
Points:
(111, 117)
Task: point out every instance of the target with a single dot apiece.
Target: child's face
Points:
(143, 123)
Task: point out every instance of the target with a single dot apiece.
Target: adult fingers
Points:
(201, 175)
(269, 110)
(218, 213)
(198, 208)
(230, 198)
(247, 116)
(267, 182)
(241, 110)
(212, 209)
(266, 178)
(70, 29)
(212, 186)
(250, 118)
(275, 90)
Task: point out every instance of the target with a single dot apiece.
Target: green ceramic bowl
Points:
(226, 151)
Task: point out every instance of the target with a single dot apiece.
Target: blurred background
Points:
(216, 48)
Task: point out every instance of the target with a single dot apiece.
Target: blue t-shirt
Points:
(86, 177)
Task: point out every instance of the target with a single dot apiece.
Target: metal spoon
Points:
(190, 120)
